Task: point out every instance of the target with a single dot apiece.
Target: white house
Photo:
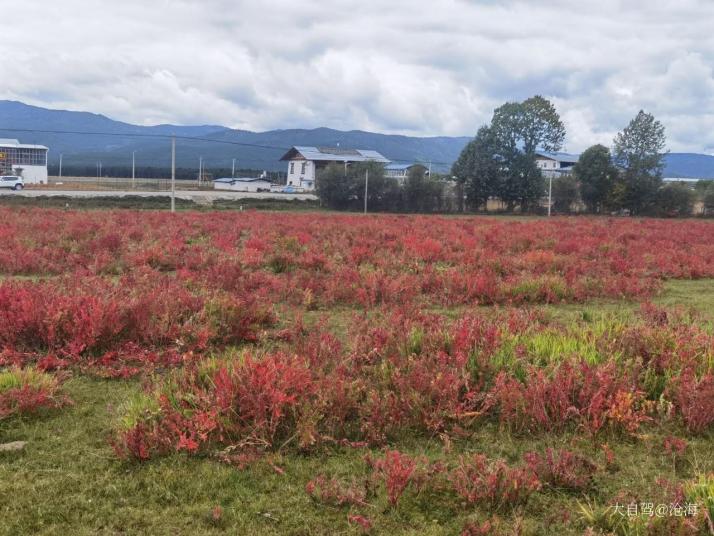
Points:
(305, 162)
(401, 171)
(29, 161)
(556, 164)
(244, 184)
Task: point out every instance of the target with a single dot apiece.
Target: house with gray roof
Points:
(556, 164)
(305, 162)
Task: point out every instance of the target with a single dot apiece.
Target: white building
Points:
(556, 164)
(244, 184)
(305, 162)
(29, 161)
(401, 171)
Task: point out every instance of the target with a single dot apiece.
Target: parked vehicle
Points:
(12, 181)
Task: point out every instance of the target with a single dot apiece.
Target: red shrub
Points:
(480, 480)
(562, 469)
(397, 471)
(695, 400)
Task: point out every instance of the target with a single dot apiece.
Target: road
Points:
(198, 196)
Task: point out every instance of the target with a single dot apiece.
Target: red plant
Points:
(674, 446)
(562, 469)
(337, 493)
(480, 480)
(695, 400)
(28, 392)
(478, 529)
(363, 522)
(397, 470)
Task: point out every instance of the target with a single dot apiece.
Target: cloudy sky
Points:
(416, 67)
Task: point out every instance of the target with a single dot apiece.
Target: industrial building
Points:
(28, 161)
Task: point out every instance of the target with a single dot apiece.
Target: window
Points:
(304, 167)
(292, 167)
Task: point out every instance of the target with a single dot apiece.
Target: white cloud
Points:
(406, 66)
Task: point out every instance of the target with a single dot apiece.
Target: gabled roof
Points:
(334, 154)
(559, 157)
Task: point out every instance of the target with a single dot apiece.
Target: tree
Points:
(639, 151)
(708, 199)
(478, 168)
(335, 187)
(521, 128)
(674, 200)
(596, 174)
(541, 126)
(565, 193)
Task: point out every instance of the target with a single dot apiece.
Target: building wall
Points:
(32, 174)
(546, 163)
(254, 186)
(301, 174)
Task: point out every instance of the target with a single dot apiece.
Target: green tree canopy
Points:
(597, 175)
(675, 200)
(479, 167)
(639, 151)
(500, 160)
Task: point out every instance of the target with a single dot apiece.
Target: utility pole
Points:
(100, 170)
(550, 192)
(366, 184)
(173, 173)
(233, 171)
(133, 169)
(200, 170)
(429, 169)
(60, 168)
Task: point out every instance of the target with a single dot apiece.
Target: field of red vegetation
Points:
(262, 334)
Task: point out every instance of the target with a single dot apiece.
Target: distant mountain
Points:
(254, 150)
(689, 165)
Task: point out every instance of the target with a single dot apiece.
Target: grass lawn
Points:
(69, 481)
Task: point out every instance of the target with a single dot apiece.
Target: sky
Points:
(414, 67)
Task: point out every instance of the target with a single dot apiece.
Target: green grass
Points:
(154, 203)
(69, 481)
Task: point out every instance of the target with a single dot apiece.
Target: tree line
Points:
(500, 164)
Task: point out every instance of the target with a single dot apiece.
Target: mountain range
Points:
(85, 138)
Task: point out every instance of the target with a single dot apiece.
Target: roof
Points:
(402, 167)
(240, 179)
(559, 157)
(334, 154)
(8, 142)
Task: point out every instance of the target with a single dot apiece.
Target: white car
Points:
(12, 181)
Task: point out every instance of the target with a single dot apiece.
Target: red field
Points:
(260, 337)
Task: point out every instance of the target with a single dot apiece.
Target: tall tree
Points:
(639, 150)
(541, 126)
(596, 174)
(479, 167)
(522, 128)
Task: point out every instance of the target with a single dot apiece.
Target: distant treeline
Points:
(149, 172)
(499, 169)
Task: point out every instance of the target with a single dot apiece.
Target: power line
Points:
(191, 138)
(136, 135)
